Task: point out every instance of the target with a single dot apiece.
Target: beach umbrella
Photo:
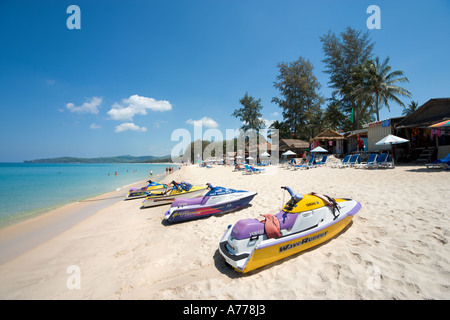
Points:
(319, 149)
(289, 153)
(265, 154)
(390, 140)
(249, 158)
(443, 125)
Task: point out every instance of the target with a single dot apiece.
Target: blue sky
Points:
(138, 70)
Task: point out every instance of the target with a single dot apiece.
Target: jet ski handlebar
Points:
(296, 196)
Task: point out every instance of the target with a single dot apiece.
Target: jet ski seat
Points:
(246, 228)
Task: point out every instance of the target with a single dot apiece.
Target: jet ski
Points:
(304, 222)
(217, 200)
(135, 193)
(178, 190)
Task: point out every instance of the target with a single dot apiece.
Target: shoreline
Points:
(396, 247)
(24, 235)
(22, 216)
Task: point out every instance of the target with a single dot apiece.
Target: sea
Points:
(31, 189)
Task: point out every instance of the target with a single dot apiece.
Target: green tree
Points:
(250, 114)
(300, 97)
(376, 82)
(333, 117)
(344, 54)
(410, 108)
(282, 128)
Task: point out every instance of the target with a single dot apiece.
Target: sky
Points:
(136, 71)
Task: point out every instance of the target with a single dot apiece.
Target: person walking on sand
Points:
(304, 158)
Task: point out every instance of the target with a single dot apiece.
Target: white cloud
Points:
(267, 123)
(90, 106)
(129, 126)
(275, 114)
(94, 126)
(205, 121)
(137, 105)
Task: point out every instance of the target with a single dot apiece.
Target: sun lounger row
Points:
(375, 161)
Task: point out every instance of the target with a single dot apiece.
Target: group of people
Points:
(169, 170)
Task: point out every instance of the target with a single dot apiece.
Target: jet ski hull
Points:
(199, 210)
(264, 251)
(135, 193)
(141, 194)
(156, 200)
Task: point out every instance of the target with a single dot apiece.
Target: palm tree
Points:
(411, 108)
(377, 81)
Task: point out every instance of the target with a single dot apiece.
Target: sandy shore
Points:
(396, 248)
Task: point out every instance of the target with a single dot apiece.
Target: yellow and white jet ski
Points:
(178, 190)
(305, 221)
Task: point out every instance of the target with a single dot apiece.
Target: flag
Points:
(352, 117)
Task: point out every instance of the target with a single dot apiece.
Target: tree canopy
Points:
(300, 98)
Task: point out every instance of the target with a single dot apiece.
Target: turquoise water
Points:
(29, 189)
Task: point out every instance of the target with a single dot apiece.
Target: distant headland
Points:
(118, 159)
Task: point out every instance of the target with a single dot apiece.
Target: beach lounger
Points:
(389, 163)
(382, 161)
(311, 163)
(251, 170)
(291, 164)
(354, 159)
(440, 163)
(371, 162)
(322, 162)
(344, 162)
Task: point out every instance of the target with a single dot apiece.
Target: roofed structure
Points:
(434, 110)
(286, 144)
(328, 135)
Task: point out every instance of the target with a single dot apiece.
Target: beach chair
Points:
(370, 163)
(381, 160)
(247, 169)
(311, 163)
(291, 164)
(354, 159)
(257, 170)
(389, 163)
(251, 170)
(322, 162)
(344, 162)
(439, 163)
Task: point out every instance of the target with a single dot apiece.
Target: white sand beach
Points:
(395, 248)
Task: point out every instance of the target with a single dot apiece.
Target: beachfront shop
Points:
(427, 141)
(329, 140)
(377, 130)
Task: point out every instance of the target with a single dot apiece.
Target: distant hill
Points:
(118, 159)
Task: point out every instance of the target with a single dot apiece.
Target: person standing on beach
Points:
(360, 144)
